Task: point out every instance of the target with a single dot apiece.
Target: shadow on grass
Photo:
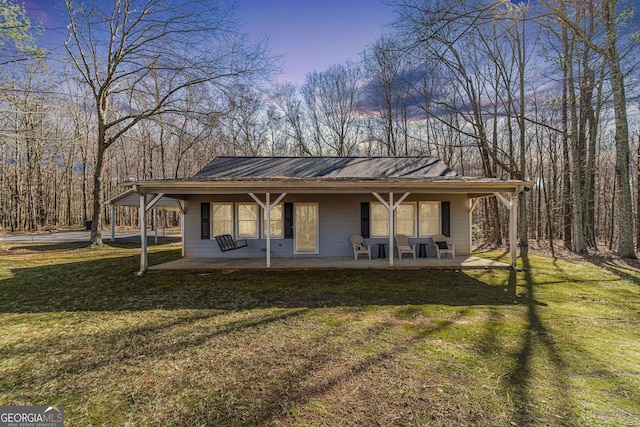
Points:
(630, 272)
(108, 284)
(302, 386)
(131, 343)
(537, 342)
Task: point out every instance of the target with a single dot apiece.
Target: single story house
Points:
(310, 206)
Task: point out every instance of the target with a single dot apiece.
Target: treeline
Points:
(543, 91)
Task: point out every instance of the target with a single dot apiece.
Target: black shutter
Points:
(445, 207)
(364, 219)
(205, 223)
(288, 220)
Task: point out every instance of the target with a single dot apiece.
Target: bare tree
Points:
(389, 75)
(607, 11)
(115, 48)
(625, 205)
(332, 95)
(17, 41)
(288, 102)
(450, 35)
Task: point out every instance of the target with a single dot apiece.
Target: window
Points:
(429, 218)
(247, 218)
(406, 219)
(221, 218)
(277, 222)
(378, 220)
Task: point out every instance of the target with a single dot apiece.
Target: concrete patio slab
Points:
(470, 262)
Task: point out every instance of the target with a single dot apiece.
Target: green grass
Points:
(556, 344)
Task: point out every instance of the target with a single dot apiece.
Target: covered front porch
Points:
(460, 263)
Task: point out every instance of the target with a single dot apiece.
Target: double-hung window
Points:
(378, 220)
(406, 219)
(277, 222)
(247, 215)
(221, 219)
(429, 218)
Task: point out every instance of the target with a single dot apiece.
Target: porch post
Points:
(391, 207)
(268, 229)
(391, 231)
(155, 223)
(181, 209)
(513, 229)
(512, 206)
(267, 207)
(143, 235)
(113, 222)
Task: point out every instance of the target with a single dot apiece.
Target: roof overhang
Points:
(130, 197)
(480, 187)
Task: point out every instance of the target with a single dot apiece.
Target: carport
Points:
(151, 202)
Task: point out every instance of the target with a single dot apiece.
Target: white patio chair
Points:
(402, 243)
(357, 243)
(442, 247)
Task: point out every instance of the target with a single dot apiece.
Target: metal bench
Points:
(226, 243)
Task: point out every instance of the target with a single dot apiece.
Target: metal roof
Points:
(321, 168)
(239, 175)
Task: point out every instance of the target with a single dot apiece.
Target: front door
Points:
(306, 228)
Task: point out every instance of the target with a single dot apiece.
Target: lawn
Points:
(556, 344)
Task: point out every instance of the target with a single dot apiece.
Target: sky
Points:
(310, 35)
(313, 35)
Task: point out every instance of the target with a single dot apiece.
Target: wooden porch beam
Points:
(154, 201)
(503, 200)
(474, 205)
(180, 206)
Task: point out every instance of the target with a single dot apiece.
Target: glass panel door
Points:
(306, 228)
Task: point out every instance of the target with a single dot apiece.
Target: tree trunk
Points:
(96, 212)
(625, 205)
(579, 244)
(638, 198)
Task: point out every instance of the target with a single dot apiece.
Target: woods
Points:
(155, 89)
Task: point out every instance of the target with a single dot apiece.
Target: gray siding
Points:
(339, 219)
